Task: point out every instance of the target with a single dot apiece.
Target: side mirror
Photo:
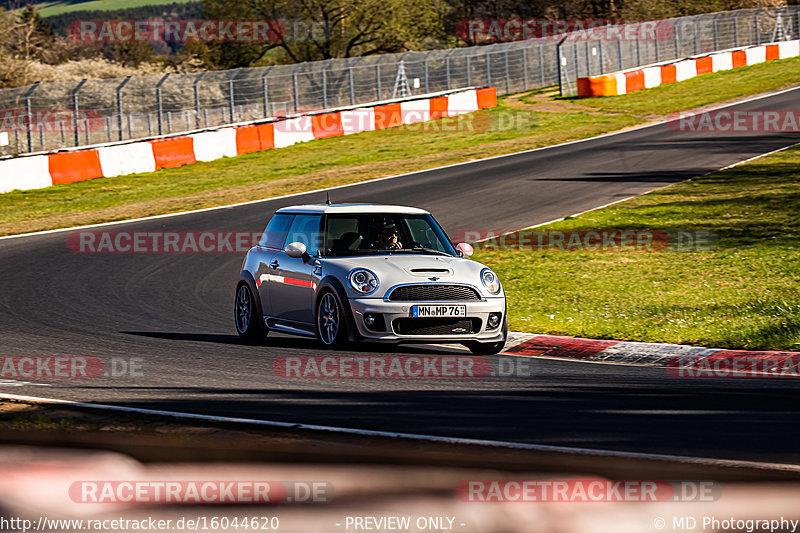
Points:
(464, 249)
(297, 250)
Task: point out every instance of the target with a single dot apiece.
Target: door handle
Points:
(274, 264)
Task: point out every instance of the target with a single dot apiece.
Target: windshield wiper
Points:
(429, 250)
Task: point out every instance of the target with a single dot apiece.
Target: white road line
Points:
(706, 461)
(251, 202)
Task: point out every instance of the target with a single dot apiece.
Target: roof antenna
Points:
(327, 198)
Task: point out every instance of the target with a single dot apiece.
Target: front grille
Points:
(433, 292)
(436, 326)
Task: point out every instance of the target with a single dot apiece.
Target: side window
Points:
(276, 230)
(306, 229)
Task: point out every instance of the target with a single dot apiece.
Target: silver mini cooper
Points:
(360, 272)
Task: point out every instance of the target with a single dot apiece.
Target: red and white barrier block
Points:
(35, 172)
(628, 81)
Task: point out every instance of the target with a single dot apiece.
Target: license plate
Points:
(421, 311)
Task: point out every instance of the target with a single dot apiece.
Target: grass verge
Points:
(741, 293)
(519, 122)
(58, 7)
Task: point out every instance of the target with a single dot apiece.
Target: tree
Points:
(325, 29)
(31, 33)
(12, 70)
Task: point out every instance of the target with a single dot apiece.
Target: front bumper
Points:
(394, 310)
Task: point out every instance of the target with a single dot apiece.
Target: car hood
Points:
(397, 269)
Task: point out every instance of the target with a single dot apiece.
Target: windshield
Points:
(385, 233)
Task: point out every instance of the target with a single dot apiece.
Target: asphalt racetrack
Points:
(175, 313)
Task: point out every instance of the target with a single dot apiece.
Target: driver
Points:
(387, 237)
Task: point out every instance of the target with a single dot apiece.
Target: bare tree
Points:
(325, 29)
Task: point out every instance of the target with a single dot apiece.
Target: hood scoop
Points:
(430, 271)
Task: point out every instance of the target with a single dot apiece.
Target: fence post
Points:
(714, 26)
(558, 64)
(350, 79)
(295, 96)
(265, 88)
(231, 101)
(575, 54)
(469, 71)
(638, 47)
(447, 68)
(796, 32)
(119, 106)
(505, 54)
(655, 47)
(378, 77)
(160, 103)
(541, 64)
(29, 112)
(600, 55)
(588, 58)
(75, 110)
(425, 62)
(325, 83)
(758, 30)
(525, 68)
(488, 68)
(675, 39)
(197, 96)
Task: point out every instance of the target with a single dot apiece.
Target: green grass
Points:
(516, 124)
(302, 167)
(702, 90)
(49, 9)
(743, 293)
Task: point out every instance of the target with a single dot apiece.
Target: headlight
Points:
(490, 281)
(363, 281)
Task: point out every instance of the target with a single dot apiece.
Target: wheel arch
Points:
(247, 277)
(332, 284)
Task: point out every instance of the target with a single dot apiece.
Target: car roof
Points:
(352, 208)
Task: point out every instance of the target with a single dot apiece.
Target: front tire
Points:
(489, 348)
(246, 316)
(331, 325)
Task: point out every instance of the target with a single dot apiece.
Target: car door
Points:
(271, 242)
(293, 283)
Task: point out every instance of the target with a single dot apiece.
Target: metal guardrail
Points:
(53, 115)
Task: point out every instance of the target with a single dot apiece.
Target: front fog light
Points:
(373, 321)
(494, 320)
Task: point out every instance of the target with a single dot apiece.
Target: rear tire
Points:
(249, 322)
(331, 322)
